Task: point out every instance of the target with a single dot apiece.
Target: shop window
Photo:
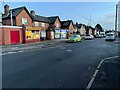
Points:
(36, 23)
(24, 21)
(43, 24)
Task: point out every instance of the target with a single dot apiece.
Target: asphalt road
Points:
(68, 66)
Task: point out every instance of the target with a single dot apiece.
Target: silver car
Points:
(110, 37)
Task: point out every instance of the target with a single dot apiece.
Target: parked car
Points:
(89, 37)
(110, 37)
(75, 38)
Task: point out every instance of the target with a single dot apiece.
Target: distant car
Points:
(110, 37)
(75, 38)
(89, 37)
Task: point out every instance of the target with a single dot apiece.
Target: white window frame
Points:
(36, 24)
(24, 21)
(43, 24)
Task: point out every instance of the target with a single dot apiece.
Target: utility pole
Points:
(11, 18)
(116, 21)
(90, 20)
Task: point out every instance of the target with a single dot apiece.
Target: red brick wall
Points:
(54, 25)
(40, 25)
(5, 38)
(23, 14)
(1, 36)
(71, 28)
(59, 24)
(44, 28)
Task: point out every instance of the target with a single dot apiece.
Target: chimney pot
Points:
(32, 12)
(6, 9)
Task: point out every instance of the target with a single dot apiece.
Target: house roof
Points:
(66, 23)
(15, 12)
(80, 25)
(53, 19)
(39, 18)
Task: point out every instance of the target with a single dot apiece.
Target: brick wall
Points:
(5, 38)
(71, 28)
(23, 14)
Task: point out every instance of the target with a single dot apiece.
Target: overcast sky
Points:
(100, 12)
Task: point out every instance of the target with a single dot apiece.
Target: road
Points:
(68, 66)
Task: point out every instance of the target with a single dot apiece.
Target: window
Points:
(24, 21)
(57, 25)
(36, 23)
(43, 24)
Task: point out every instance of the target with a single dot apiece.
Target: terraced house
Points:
(55, 26)
(42, 22)
(68, 28)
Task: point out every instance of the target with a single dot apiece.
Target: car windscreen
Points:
(109, 34)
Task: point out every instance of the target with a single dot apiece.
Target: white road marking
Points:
(15, 48)
(19, 51)
(96, 71)
(69, 50)
(11, 52)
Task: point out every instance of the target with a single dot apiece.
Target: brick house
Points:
(68, 25)
(81, 28)
(34, 26)
(55, 27)
(20, 16)
(89, 30)
(42, 22)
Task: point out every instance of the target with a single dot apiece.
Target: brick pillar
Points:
(23, 34)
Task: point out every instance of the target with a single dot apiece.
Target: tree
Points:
(98, 27)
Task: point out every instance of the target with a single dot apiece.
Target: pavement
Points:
(108, 75)
(31, 46)
(70, 65)
(117, 41)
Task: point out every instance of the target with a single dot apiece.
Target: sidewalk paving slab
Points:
(108, 75)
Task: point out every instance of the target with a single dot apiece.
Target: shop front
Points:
(61, 34)
(32, 35)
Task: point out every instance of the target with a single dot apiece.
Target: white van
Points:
(110, 37)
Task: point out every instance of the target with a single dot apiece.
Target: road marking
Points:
(19, 51)
(69, 50)
(14, 48)
(11, 52)
(96, 71)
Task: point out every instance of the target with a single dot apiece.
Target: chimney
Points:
(76, 23)
(6, 9)
(32, 12)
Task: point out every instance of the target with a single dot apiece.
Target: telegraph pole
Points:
(116, 17)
